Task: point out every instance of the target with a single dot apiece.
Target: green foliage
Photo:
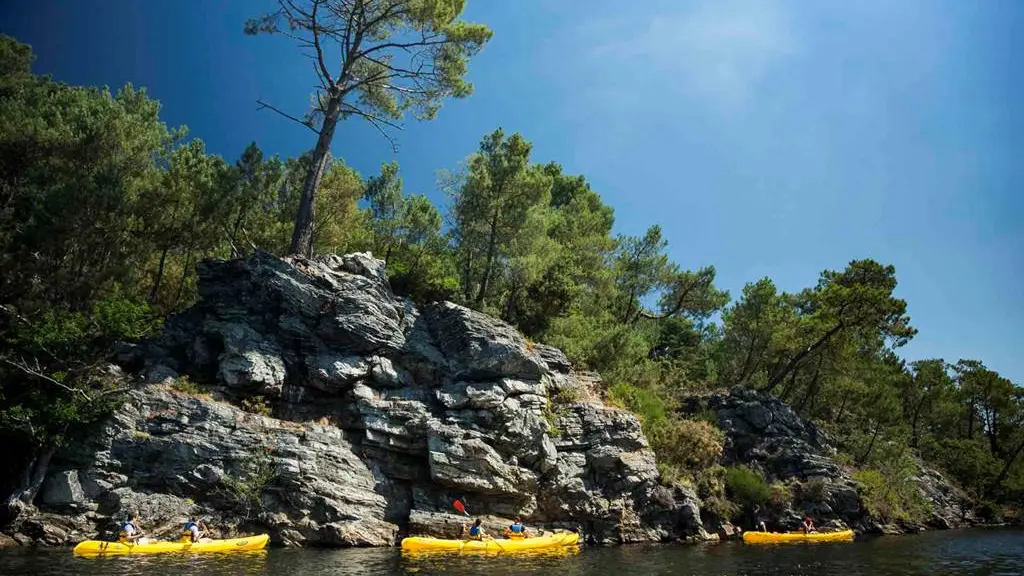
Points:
(890, 496)
(687, 444)
(257, 405)
(186, 386)
(105, 210)
(243, 488)
(746, 487)
(395, 57)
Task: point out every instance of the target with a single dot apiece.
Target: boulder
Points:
(62, 489)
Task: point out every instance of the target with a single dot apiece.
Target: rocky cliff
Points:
(301, 397)
(765, 434)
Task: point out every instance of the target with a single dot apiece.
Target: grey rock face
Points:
(62, 489)
(378, 417)
(764, 433)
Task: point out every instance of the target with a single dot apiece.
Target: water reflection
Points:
(971, 553)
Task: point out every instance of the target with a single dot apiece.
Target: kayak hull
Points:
(547, 542)
(783, 537)
(99, 547)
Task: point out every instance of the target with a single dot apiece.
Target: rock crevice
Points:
(331, 413)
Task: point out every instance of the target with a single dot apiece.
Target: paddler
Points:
(808, 525)
(195, 530)
(516, 530)
(475, 532)
(131, 532)
(759, 524)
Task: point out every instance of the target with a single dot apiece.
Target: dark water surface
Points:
(983, 552)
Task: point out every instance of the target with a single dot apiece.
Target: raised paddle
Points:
(458, 505)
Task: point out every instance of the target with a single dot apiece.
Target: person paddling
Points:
(475, 532)
(131, 532)
(516, 530)
(195, 530)
(808, 526)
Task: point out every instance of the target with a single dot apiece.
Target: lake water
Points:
(982, 552)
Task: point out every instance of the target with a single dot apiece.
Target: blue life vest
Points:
(126, 525)
(474, 530)
(189, 525)
(516, 528)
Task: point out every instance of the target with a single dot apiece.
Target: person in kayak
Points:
(475, 532)
(759, 524)
(131, 532)
(808, 525)
(195, 531)
(516, 530)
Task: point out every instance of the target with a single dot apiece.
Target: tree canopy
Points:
(105, 210)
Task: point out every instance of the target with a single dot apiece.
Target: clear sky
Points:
(768, 138)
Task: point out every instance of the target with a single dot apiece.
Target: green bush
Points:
(746, 487)
(711, 482)
(186, 386)
(645, 403)
(688, 444)
(781, 496)
(257, 405)
(244, 489)
(723, 508)
(890, 494)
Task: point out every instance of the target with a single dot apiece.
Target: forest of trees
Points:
(104, 211)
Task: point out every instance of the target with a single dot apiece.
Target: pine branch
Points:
(308, 124)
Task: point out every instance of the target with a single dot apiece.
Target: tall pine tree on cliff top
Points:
(376, 59)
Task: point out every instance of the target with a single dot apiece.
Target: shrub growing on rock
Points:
(746, 487)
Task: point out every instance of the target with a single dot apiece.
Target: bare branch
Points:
(377, 123)
(24, 367)
(113, 391)
(17, 316)
(424, 42)
(317, 46)
(261, 105)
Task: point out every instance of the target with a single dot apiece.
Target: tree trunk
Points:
(1006, 467)
(467, 276)
(159, 277)
(492, 245)
(184, 275)
(781, 374)
(302, 237)
(32, 480)
(871, 445)
(842, 409)
(416, 262)
(915, 439)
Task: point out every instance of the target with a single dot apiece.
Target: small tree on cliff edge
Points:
(389, 56)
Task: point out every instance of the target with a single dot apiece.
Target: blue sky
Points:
(768, 138)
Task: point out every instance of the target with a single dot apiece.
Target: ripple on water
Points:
(993, 552)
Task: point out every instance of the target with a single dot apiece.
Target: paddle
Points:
(458, 505)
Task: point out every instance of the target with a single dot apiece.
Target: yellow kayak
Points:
(95, 547)
(556, 540)
(781, 537)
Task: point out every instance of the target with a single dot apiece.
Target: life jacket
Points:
(127, 529)
(189, 531)
(516, 528)
(474, 530)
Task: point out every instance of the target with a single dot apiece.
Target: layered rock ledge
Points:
(302, 398)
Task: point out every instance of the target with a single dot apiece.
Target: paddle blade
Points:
(458, 505)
